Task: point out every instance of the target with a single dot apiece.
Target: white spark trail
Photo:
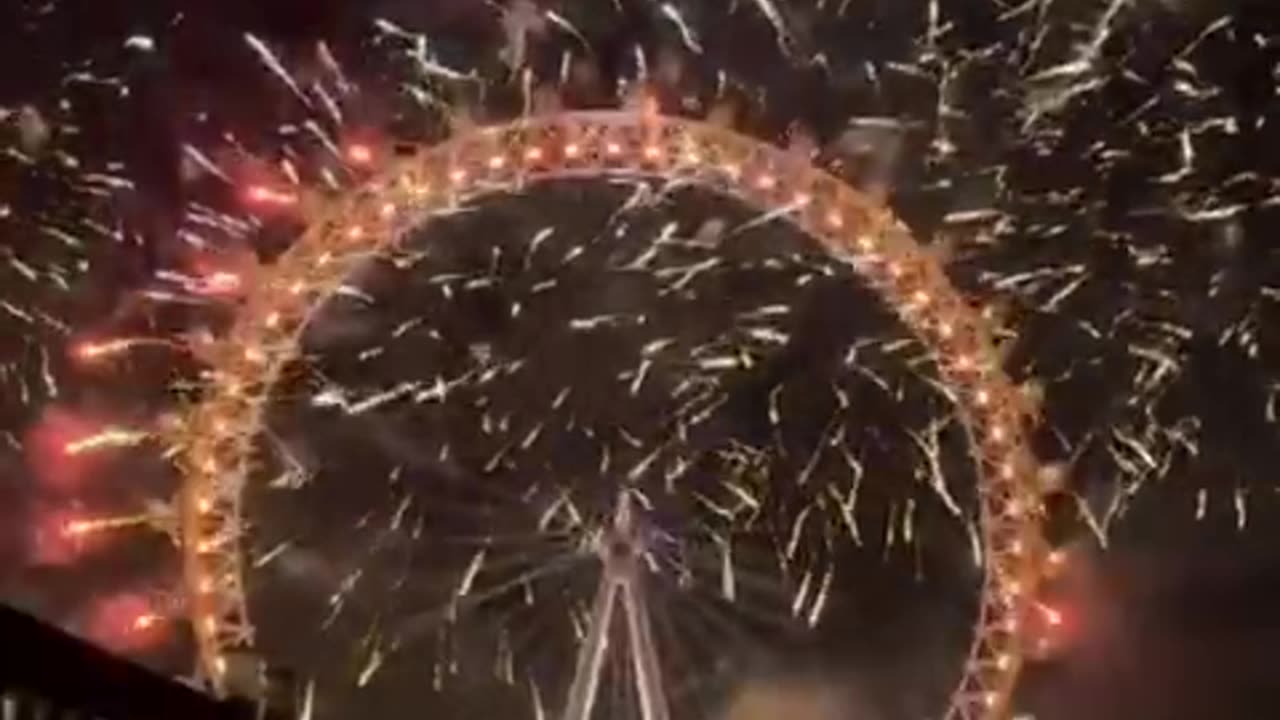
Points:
(277, 68)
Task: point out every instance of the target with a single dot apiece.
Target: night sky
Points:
(1103, 173)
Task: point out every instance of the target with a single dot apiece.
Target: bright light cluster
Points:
(214, 441)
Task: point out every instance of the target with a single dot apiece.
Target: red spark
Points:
(86, 350)
(221, 275)
(259, 184)
(89, 353)
(76, 528)
(359, 154)
(1054, 628)
(259, 194)
(362, 146)
(57, 537)
(267, 197)
(1052, 615)
(221, 282)
(46, 443)
(100, 353)
(125, 622)
(145, 622)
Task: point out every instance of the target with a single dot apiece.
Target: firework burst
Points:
(414, 326)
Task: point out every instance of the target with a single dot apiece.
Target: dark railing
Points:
(44, 672)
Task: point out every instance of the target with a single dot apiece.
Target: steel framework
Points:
(621, 549)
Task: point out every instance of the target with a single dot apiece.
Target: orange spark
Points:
(91, 351)
(82, 527)
(219, 282)
(145, 621)
(1052, 615)
(109, 438)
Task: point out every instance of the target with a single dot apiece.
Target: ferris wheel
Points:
(214, 439)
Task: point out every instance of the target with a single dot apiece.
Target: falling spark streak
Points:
(331, 64)
(563, 23)
(687, 33)
(46, 374)
(372, 665)
(539, 711)
(272, 554)
(383, 398)
(802, 594)
(640, 374)
(715, 508)
(1096, 526)
(890, 529)
(825, 440)
(552, 512)
(1103, 29)
(728, 581)
(743, 495)
(429, 619)
(308, 701)
(774, 16)
(975, 544)
(1143, 453)
(202, 161)
(505, 669)
(277, 68)
(767, 217)
(640, 468)
(820, 602)
(928, 443)
(797, 531)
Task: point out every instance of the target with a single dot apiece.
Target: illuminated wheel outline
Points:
(214, 442)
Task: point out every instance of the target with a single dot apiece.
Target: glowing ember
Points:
(90, 352)
(1052, 615)
(265, 196)
(126, 622)
(55, 538)
(360, 154)
(221, 282)
(51, 446)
